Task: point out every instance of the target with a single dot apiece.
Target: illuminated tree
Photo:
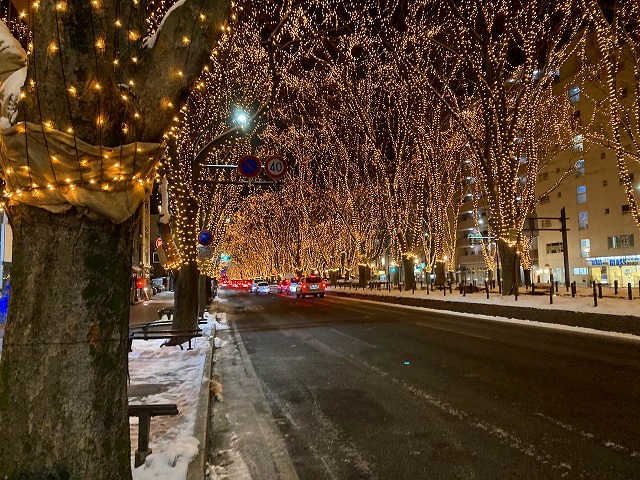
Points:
(80, 144)
(610, 56)
(504, 56)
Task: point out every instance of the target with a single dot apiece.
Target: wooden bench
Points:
(144, 414)
(155, 334)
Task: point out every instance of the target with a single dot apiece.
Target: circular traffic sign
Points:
(275, 166)
(159, 242)
(249, 166)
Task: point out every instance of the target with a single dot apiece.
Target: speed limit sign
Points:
(275, 167)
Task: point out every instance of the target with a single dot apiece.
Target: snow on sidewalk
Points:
(175, 376)
(581, 303)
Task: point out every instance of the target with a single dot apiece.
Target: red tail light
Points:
(304, 286)
(324, 285)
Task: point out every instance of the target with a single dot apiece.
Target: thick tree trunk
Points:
(333, 278)
(440, 274)
(508, 264)
(63, 375)
(527, 278)
(409, 279)
(202, 293)
(364, 275)
(185, 309)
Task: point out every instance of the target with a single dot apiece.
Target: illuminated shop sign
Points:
(614, 261)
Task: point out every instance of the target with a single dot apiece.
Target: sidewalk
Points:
(171, 375)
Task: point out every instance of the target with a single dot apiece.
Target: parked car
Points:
(262, 287)
(312, 285)
(291, 288)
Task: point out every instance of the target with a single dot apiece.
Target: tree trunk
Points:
(508, 266)
(364, 275)
(407, 267)
(527, 278)
(63, 375)
(333, 278)
(202, 293)
(440, 274)
(185, 308)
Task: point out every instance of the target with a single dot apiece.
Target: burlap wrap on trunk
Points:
(55, 171)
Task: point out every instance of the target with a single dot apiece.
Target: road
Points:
(372, 391)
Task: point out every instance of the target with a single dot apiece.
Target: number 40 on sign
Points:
(275, 167)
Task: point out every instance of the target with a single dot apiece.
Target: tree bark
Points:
(440, 274)
(185, 309)
(409, 279)
(63, 392)
(508, 264)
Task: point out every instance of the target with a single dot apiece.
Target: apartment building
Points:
(602, 235)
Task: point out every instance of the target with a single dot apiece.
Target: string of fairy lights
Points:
(354, 115)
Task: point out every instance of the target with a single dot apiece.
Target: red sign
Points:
(249, 166)
(275, 166)
(159, 242)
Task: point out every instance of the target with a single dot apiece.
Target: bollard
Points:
(629, 291)
(464, 290)
(450, 288)
(551, 294)
(599, 290)
(486, 288)
(414, 288)
(556, 283)
(444, 290)
(533, 288)
(615, 287)
(573, 289)
(595, 295)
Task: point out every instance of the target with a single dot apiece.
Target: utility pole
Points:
(565, 249)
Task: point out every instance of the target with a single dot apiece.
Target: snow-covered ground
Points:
(173, 376)
(583, 302)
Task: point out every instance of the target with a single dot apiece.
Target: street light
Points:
(242, 118)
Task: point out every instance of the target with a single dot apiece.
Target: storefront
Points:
(608, 270)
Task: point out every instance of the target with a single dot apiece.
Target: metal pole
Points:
(565, 247)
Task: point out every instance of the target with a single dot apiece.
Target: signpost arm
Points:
(565, 247)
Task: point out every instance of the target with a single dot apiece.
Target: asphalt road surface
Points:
(372, 391)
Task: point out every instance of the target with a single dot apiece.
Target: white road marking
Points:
(429, 325)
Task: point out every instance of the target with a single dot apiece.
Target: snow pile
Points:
(172, 376)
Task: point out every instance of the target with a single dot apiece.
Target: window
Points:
(155, 257)
(559, 194)
(558, 170)
(620, 241)
(585, 247)
(554, 247)
(546, 223)
(581, 194)
(544, 199)
(583, 221)
(574, 94)
(544, 175)
(623, 92)
(577, 143)
(579, 168)
(606, 211)
(580, 271)
(602, 156)
(626, 209)
(576, 118)
(604, 183)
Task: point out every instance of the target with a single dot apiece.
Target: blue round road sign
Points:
(249, 166)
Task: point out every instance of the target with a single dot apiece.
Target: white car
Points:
(262, 287)
(274, 288)
(254, 285)
(312, 285)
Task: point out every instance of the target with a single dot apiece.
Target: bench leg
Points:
(143, 450)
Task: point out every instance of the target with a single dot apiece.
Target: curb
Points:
(606, 322)
(197, 467)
